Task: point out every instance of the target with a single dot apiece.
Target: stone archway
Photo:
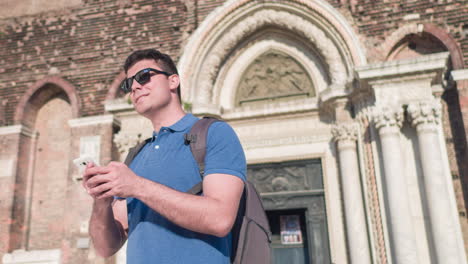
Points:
(27, 107)
(317, 24)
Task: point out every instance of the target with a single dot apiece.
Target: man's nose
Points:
(136, 86)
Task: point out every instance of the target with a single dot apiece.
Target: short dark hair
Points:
(163, 60)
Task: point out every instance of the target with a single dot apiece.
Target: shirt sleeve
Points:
(224, 152)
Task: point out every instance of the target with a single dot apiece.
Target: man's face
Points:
(154, 95)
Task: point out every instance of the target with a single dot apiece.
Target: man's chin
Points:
(139, 109)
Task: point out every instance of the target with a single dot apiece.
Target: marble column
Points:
(425, 118)
(388, 121)
(345, 136)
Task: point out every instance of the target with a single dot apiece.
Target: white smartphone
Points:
(82, 161)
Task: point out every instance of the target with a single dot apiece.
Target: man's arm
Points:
(213, 213)
(108, 224)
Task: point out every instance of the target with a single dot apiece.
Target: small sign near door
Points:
(290, 230)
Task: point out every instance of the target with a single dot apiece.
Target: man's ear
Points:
(174, 81)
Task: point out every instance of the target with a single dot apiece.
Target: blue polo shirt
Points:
(167, 160)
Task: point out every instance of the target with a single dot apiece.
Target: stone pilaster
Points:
(345, 136)
(446, 234)
(388, 121)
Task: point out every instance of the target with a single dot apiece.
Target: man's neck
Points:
(166, 118)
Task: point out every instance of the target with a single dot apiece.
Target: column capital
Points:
(125, 141)
(424, 113)
(344, 131)
(387, 116)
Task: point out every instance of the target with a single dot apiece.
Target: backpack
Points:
(251, 235)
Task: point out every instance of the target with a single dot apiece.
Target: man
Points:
(164, 224)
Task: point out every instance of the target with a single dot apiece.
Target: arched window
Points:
(415, 45)
(50, 170)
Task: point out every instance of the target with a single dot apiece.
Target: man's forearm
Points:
(107, 234)
(202, 214)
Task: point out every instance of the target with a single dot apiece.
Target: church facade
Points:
(352, 114)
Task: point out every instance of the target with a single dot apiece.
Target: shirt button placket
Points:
(164, 130)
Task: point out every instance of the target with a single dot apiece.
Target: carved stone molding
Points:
(344, 132)
(94, 121)
(33, 256)
(17, 129)
(426, 112)
(125, 141)
(294, 177)
(282, 141)
(388, 116)
(209, 69)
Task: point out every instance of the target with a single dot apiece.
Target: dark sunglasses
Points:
(141, 77)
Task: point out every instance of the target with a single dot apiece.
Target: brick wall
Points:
(84, 46)
(376, 20)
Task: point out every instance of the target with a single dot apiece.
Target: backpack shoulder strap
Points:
(197, 138)
(132, 152)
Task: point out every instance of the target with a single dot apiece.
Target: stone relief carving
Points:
(343, 132)
(125, 141)
(388, 116)
(282, 19)
(274, 74)
(426, 112)
(278, 201)
(297, 177)
(280, 184)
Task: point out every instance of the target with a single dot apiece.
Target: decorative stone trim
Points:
(294, 140)
(94, 120)
(34, 256)
(280, 19)
(375, 204)
(266, 109)
(16, 129)
(459, 75)
(118, 105)
(428, 112)
(388, 117)
(344, 132)
(425, 63)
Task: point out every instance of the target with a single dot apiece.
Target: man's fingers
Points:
(96, 180)
(105, 195)
(91, 171)
(100, 189)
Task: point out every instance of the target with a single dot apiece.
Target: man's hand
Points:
(115, 179)
(108, 224)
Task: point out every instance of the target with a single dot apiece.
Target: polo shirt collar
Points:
(184, 123)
